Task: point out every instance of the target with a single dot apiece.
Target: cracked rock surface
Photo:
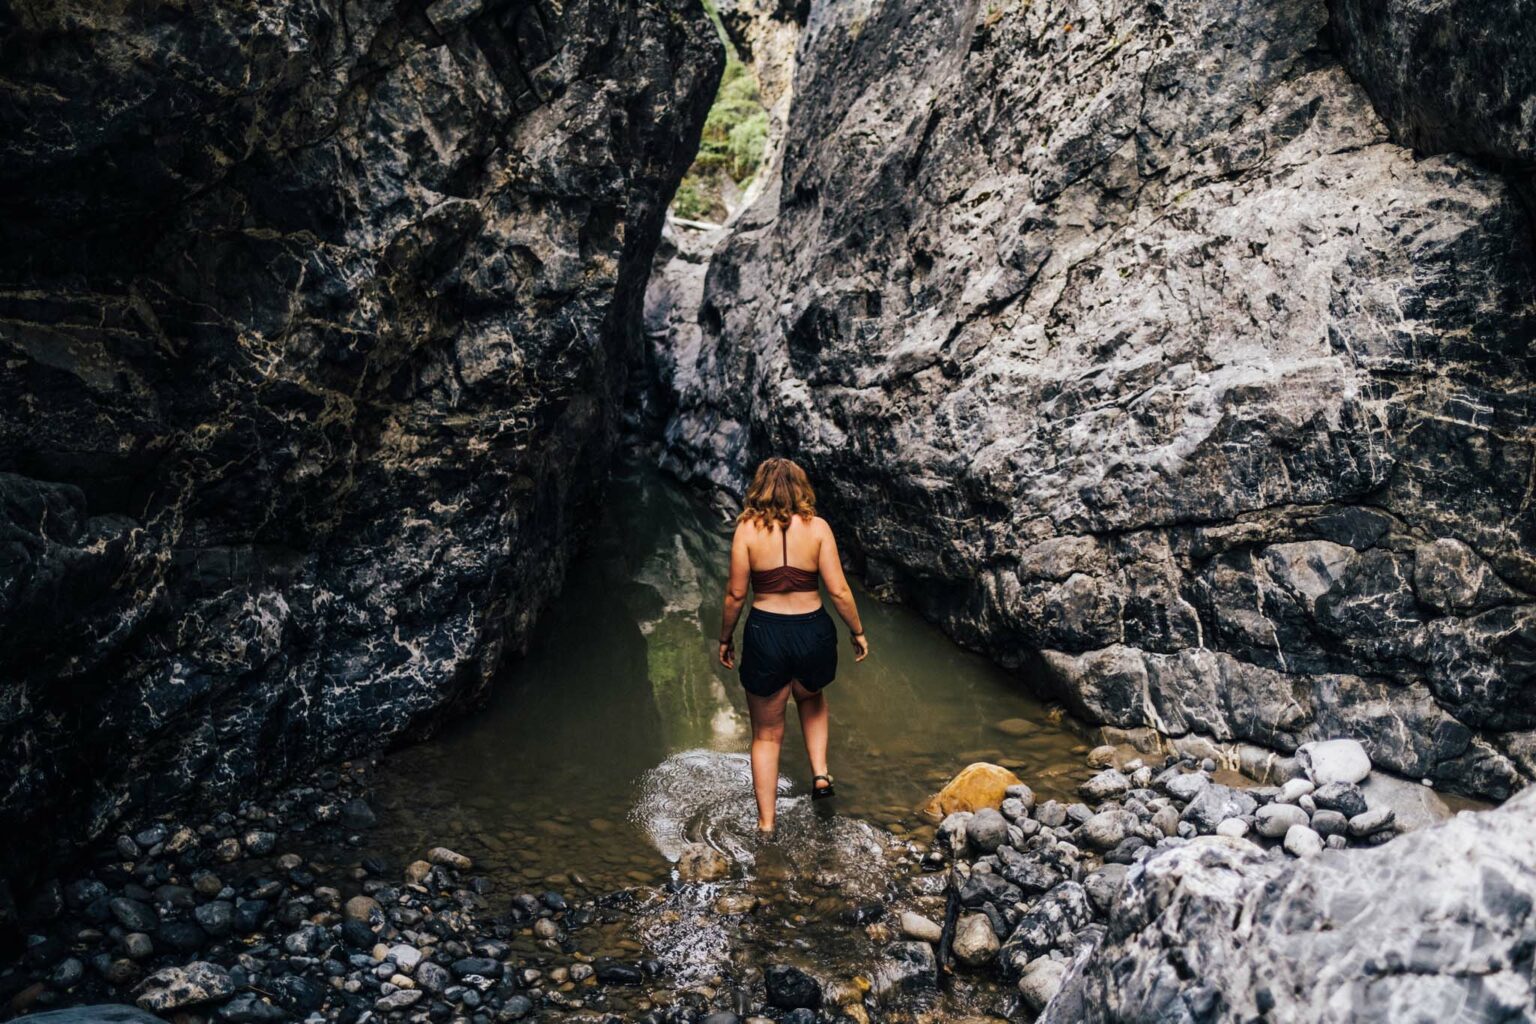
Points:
(1130, 344)
(315, 319)
(1434, 925)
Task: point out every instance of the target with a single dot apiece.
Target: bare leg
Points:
(767, 738)
(815, 720)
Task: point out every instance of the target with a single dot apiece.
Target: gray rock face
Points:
(1437, 920)
(1137, 342)
(318, 318)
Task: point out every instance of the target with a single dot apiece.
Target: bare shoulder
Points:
(821, 526)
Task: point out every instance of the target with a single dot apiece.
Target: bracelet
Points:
(852, 633)
(727, 640)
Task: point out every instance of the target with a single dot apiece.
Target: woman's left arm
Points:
(735, 597)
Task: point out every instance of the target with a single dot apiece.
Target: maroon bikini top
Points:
(785, 579)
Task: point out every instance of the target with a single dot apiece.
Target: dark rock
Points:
(133, 915)
(250, 1008)
(356, 814)
(1047, 924)
(982, 888)
(481, 965)
(216, 917)
(1032, 874)
(615, 972)
(790, 987)
(249, 915)
(298, 994)
(182, 935)
(908, 965)
(1343, 797)
(323, 301)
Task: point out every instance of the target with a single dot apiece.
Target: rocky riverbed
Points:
(279, 910)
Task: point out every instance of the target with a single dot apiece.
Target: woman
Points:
(790, 646)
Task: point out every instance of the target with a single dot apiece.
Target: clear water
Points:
(618, 738)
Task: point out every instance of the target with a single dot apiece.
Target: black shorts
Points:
(778, 648)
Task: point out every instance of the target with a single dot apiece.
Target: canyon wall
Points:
(315, 319)
(1135, 346)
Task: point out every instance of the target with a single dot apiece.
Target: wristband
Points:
(727, 639)
(852, 633)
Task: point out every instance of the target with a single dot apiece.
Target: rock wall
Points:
(315, 319)
(1127, 342)
(1437, 925)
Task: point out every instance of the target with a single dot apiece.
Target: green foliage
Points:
(735, 135)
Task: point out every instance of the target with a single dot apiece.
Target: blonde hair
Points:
(779, 489)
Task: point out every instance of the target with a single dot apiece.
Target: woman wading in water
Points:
(790, 645)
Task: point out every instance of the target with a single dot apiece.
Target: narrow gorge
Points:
(374, 374)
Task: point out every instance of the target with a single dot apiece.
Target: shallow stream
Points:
(618, 738)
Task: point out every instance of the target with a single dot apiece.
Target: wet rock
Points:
(1372, 821)
(1107, 785)
(133, 915)
(699, 862)
(173, 988)
(1040, 981)
(400, 999)
(1329, 823)
(1301, 841)
(1342, 760)
(250, 1008)
(404, 956)
(952, 832)
(138, 945)
(977, 786)
(364, 910)
(1185, 786)
(1047, 924)
(416, 872)
(735, 903)
(1273, 820)
(258, 843)
(986, 830)
(217, 917)
(67, 974)
(615, 972)
(1104, 885)
(1215, 803)
(909, 966)
(980, 888)
(481, 965)
(1344, 797)
(916, 926)
(974, 943)
(435, 978)
(356, 814)
(790, 988)
(1107, 829)
(448, 858)
(516, 1007)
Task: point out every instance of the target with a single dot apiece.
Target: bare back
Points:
(802, 545)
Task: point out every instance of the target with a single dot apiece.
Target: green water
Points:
(541, 782)
(618, 738)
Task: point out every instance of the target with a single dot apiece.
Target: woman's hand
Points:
(860, 646)
(728, 653)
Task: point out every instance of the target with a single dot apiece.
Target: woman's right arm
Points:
(830, 566)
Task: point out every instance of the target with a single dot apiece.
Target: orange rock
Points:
(978, 785)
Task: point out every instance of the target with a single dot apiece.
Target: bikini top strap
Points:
(784, 536)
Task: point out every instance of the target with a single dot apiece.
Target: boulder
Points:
(175, 988)
(1469, 883)
(977, 786)
(1343, 760)
(974, 943)
(986, 830)
(791, 988)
